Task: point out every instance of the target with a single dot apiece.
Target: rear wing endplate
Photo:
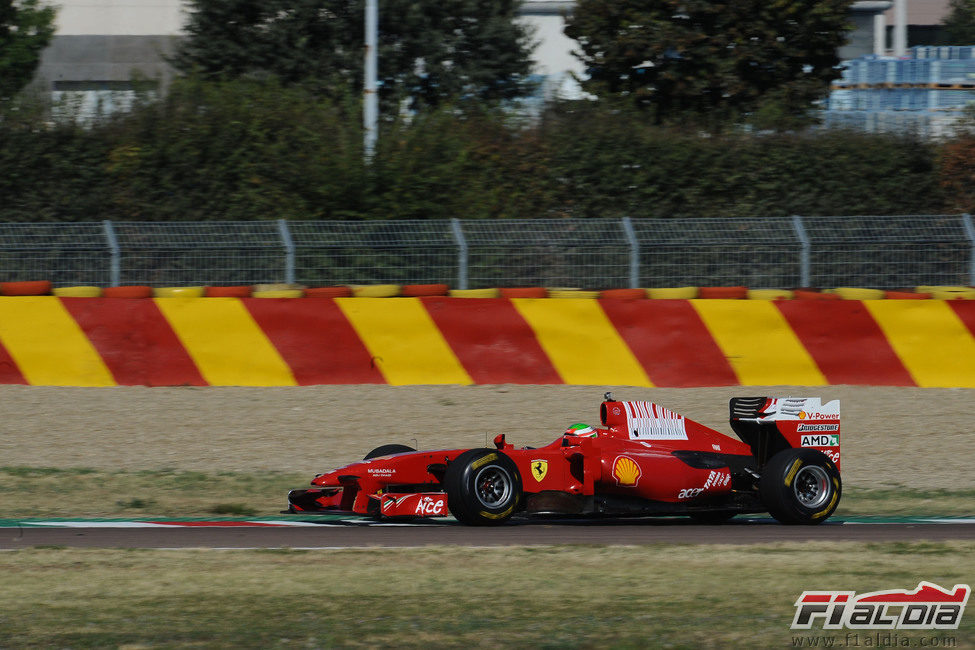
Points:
(770, 424)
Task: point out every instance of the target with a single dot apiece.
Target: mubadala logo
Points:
(818, 427)
(929, 607)
(821, 440)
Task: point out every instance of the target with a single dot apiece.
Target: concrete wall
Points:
(861, 40)
(922, 12)
(120, 17)
(46, 340)
(99, 58)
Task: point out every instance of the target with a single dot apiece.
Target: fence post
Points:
(115, 252)
(804, 252)
(966, 222)
(634, 252)
(289, 251)
(461, 241)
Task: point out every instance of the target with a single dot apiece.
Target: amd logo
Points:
(820, 440)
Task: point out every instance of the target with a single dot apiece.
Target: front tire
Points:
(483, 487)
(800, 486)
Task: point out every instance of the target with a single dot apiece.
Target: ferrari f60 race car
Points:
(643, 460)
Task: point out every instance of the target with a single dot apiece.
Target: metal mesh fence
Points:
(885, 252)
(547, 252)
(374, 252)
(718, 252)
(199, 253)
(888, 252)
(65, 253)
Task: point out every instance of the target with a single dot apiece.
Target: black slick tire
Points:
(800, 486)
(483, 487)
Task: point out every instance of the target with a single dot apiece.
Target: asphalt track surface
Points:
(515, 534)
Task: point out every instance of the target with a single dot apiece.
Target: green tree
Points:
(429, 52)
(26, 28)
(712, 62)
(959, 24)
(239, 149)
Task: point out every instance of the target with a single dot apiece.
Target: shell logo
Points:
(802, 415)
(626, 471)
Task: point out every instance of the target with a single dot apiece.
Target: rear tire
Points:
(800, 486)
(386, 450)
(483, 487)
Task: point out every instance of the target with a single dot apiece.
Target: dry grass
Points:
(51, 492)
(906, 501)
(655, 596)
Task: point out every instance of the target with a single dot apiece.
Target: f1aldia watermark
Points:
(873, 640)
(928, 607)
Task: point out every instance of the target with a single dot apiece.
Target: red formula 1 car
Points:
(643, 460)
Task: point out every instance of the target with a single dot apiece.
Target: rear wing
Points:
(770, 424)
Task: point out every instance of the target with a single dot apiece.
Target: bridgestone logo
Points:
(818, 427)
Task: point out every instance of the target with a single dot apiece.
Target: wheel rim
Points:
(811, 486)
(493, 486)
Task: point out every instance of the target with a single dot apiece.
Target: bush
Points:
(957, 173)
(248, 150)
(618, 165)
(51, 174)
(238, 150)
(470, 164)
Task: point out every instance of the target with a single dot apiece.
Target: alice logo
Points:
(626, 471)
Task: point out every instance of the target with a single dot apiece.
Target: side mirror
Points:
(499, 441)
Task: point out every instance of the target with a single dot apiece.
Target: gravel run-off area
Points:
(919, 438)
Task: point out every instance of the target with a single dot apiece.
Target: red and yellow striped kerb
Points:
(53, 341)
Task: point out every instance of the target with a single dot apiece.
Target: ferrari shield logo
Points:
(539, 469)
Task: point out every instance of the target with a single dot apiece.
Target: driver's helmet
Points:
(581, 430)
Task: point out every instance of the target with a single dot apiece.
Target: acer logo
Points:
(430, 507)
